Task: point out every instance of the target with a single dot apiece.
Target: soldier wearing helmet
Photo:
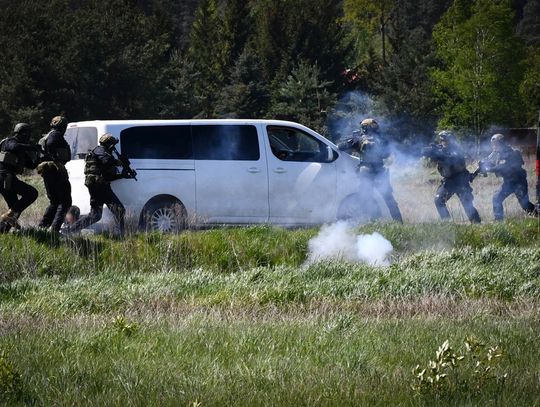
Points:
(56, 153)
(101, 168)
(373, 149)
(507, 163)
(456, 179)
(16, 155)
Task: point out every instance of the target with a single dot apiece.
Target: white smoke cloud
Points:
(339, 242)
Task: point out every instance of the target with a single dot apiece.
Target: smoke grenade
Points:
(339, 242)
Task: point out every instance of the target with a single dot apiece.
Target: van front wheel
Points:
(165, 216)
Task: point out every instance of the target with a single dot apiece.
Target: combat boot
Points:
(10, 218)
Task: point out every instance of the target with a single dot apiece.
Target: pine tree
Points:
(288, 31)
(246, 96)
(304, 97)
(237, 30)
(206, 56)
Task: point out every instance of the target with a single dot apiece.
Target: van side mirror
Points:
(331, 154)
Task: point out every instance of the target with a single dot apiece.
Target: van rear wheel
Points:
(165, 216)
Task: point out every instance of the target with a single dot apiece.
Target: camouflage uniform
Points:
(55, 177)
(16, 155)
(100, 169)
(508, 164)
(373, 150)
(456, 180)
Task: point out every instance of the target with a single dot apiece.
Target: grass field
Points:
(233, 317)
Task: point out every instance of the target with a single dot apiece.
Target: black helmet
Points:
(108, 140)
(59, 122)
(22, 131)
(447, 136)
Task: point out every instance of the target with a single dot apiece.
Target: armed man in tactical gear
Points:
(100, 170)
(373, 149)
(16, 154)
(56, 153)
(507, 163)
(456, 180)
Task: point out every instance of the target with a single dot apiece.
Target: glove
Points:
(46, 167)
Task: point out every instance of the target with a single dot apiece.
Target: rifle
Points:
(483, 168)
(126, 165)
(432, 151)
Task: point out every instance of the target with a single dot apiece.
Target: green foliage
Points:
(179, 94)
(371, 18)
(449, 372)
(206, 55)
(121, 326)
(231, 317)
(435, 377)
(246, 96)
(10, 378)
(480, 70)
(263, 356)
(304, 97)
(127, 59)
(292, 31)
(237, 30)
(530, 86)
(529, 26)
(81, 61)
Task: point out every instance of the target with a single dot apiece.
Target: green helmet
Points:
(59, 122)
(369, 125)
(108, 140)
(22, 131)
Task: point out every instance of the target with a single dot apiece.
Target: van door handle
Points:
(280, 170)
(254, 170)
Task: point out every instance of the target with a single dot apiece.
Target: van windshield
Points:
(80, 140)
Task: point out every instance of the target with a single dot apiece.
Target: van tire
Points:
(166, 215)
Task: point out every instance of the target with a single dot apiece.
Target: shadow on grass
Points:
(82, 246)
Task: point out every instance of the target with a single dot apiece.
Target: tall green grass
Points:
(233, 317)
(230, 250)
(326, 360)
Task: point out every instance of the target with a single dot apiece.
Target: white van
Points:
(219, 172)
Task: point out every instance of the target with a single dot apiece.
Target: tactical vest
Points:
(11, 160)
(93, 168)
(373, 152)
(92, 165)
(454, 166)
(62, 154)
(508, 163)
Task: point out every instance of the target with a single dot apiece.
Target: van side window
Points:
(80, 140)
(226, 142)
(290, 144)
(157, 142)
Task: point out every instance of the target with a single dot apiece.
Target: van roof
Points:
(99, 123)
(183, 121)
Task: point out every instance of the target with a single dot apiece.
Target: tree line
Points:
(464, 64)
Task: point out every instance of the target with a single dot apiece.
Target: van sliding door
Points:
(302, 177)
(231, 174)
